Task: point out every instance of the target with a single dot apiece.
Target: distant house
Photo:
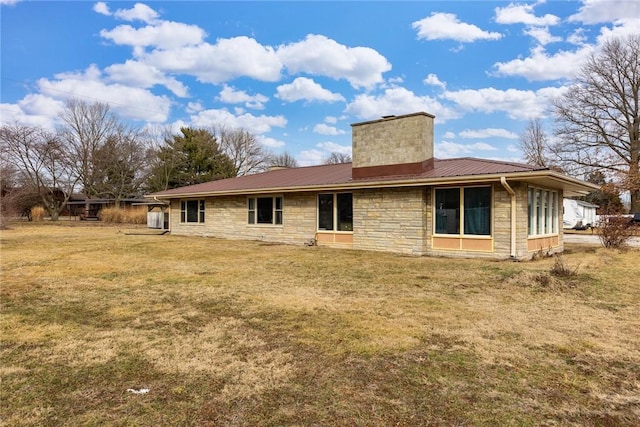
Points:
(89, 209)
(578, 214)
(394, 197)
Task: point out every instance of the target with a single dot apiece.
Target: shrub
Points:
(562, 269)
(137, 215)
(38, 213)
(615, 232)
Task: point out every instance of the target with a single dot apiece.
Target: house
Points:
(578, 214)
(89, 208)
(394, 196)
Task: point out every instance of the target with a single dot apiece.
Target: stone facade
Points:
(226, 217)
(384, 219)
(390, 220)
(393, 140)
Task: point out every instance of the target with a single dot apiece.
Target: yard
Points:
(100, 327)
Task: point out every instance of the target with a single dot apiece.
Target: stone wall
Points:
(392, 220)
(394, 140)
(226, 217)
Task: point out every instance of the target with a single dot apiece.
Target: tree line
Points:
(596, 133)
(95, 153)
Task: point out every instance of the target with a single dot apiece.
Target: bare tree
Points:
(108, 157)
(284, 160)
(85, 131)
(42, 162)
(121, 166)
(162, 161)
(534, 143)
(598, 118)
(243, 148)
(337, 158)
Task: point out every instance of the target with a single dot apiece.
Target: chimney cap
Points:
(394, 117)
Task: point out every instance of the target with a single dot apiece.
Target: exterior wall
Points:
(392, 220)
(226, 217)
(497, 246)
(395, 140)
(546, 244)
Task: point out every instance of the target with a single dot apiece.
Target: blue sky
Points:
(297, 74)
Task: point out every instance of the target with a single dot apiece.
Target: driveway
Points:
(594, 239)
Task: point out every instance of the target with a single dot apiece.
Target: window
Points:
(335, 211)
(264, 210)
(470, 206)
(192, 211)
(543, 211)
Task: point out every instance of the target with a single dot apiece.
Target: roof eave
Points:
(550, 178)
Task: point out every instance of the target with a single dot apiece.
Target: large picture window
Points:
(335, 212)
(192, 211)
(469, 206)
(543, 211)
(264, 210)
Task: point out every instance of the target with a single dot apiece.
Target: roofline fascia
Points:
(354, 185)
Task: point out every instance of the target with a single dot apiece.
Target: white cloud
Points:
(599, 11)
(397, 101)
(449, 135)
(518, 104)
(542, 66)
(433, 80)
(487, 133)
(321, 152)
(331, 120)
(542, 35)
(446, 26)
(140, 12)
(332, 147)
(194, 107)
(231, 95)
(448, 149)
(324, 129)
(220, 62)
(130, 102)
(362, 67)
(164, 35)
(253, 124)
(578, 37)
(523, 14)
(270, 142)
(135, 73)
(621, 28)
(33, 109)
(101, 8)
(306, 89)
(311, 157)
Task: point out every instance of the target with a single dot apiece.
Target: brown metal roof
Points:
(278, 178)
(325, 176)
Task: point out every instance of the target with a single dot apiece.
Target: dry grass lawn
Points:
(248, 333)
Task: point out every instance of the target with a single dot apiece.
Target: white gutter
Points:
(503, 181)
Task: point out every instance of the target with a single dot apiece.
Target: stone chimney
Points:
(393, 145)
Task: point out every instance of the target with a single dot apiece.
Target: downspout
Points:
(503, 181)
